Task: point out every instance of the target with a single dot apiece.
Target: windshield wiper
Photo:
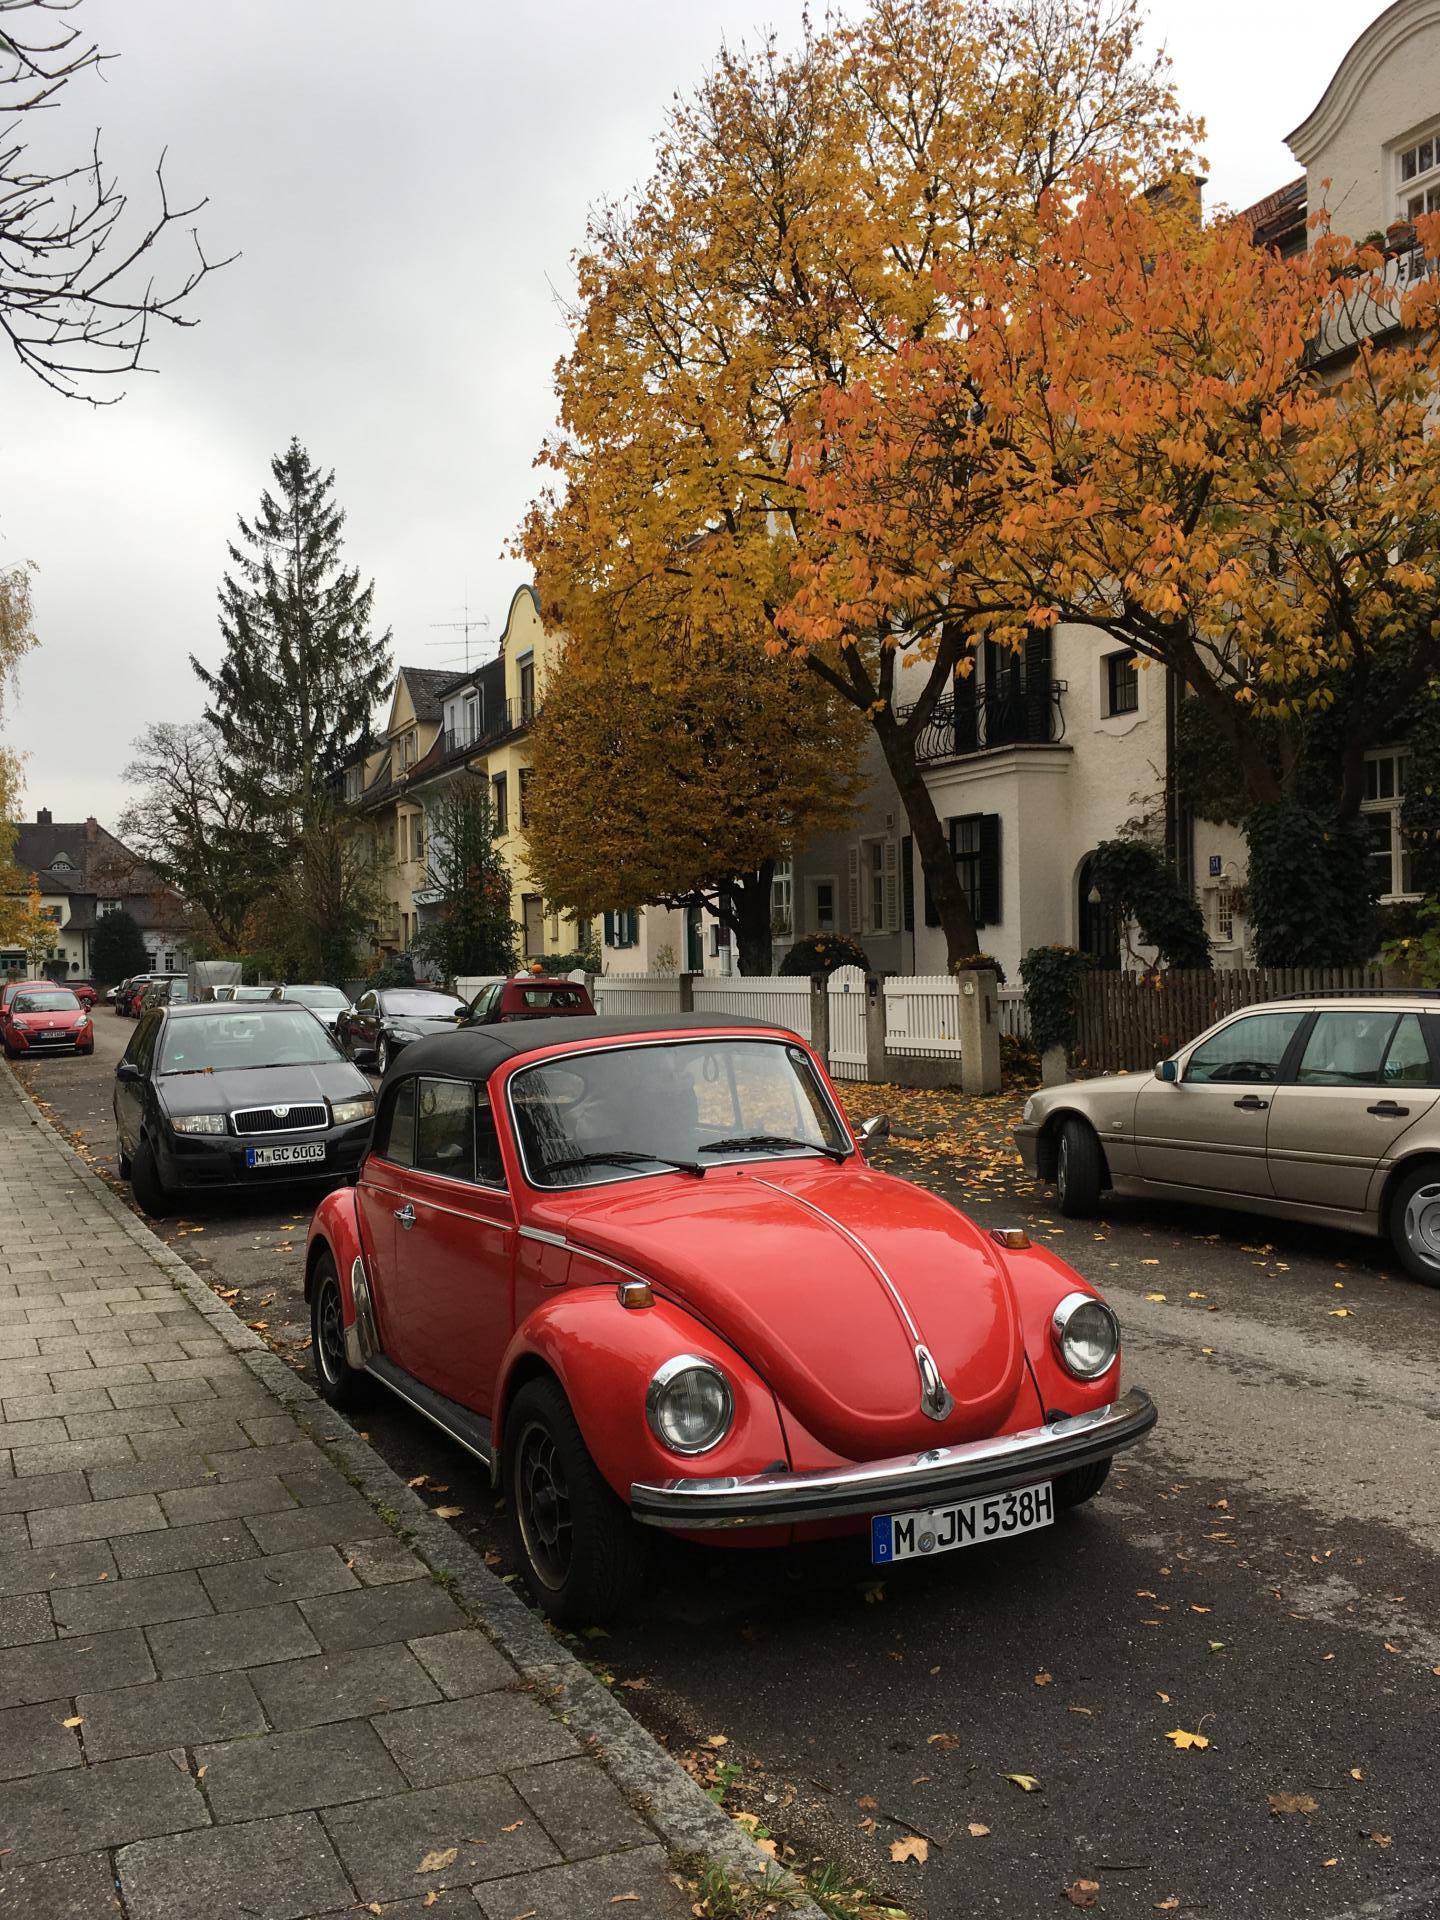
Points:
(623, 1158)
(742, 1142)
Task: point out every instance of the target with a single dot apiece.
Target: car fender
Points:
(604, 1356)
(1040, 1281)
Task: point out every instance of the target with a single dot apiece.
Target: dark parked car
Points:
(326, 1003)
(132, 992)
(386, 1019)
(232, 1096)
(171, 990)
(528, 996)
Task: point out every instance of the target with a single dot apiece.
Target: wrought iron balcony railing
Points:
(1005, 717)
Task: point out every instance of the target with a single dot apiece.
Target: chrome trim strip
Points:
(470, 1446)
(548, 1239)
(544, 1237)
(917, 1480)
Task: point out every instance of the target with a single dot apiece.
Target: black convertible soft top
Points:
(477, 1051)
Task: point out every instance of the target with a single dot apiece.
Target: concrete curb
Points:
(689, 1823)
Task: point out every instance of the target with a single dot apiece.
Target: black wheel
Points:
(584, 1557)
(382, 1056)
(1079, 1170)
(1083, 1483)
(1414, 1222)
(342, 1385)
(146, 1186)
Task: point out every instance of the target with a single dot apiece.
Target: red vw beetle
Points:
(641, 1270)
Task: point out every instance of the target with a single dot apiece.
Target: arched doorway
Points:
(1099, 924)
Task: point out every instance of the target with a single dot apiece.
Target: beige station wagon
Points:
(1323, 1108)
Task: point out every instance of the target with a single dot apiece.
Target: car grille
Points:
(280, 1119)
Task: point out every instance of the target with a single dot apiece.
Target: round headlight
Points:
(1087, 1335)
(689, 1405)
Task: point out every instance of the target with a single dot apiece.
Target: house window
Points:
(824, 899)
(782, 900)
(102, 907)
(472, 717)
(622, 929)
(354, 780)
(169, 963)
(525, 773)
(525, 667)
(975, 845)
(875, 886)
(499, 803)
(1418, 178)
(1122, 684)
(1223, 917)
(406, 748)
(1380, 816)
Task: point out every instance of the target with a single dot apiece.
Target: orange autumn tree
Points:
(810, 213)
(684, 789)
(1153, 428)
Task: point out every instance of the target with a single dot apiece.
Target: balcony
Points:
(498, 725)
(1007, 717)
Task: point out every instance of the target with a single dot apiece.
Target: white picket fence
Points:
(922, 1011)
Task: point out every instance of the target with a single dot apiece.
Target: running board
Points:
(468, 1430)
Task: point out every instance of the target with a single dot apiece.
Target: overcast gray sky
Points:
(406, 185)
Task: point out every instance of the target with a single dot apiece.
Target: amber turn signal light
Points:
(635, 1293)
(1010, 1236)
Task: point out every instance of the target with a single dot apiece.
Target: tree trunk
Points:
(749, 919)
(932, 848)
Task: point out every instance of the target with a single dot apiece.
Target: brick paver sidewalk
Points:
(228, 1687)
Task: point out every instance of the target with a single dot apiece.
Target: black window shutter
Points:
(966, 720)
(989, 914)
(907, 883)
(932, 912)
(1038, 673)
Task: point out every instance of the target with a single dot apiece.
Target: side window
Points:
(445, 1131)
(1247, 1051)
(366, 1003)
(1346, 1049)
(395, 1135)
(144, 1043)
(485, 1005)
(489, 1167)
(1407, 1064)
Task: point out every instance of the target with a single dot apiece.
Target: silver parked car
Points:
(1318, 1108)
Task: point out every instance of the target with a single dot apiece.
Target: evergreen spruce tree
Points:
(302, 671)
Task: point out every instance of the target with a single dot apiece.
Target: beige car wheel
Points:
(1415, 1223)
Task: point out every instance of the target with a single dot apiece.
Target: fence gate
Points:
(847, 1023)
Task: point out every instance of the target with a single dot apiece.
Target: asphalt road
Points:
(1261, 1573)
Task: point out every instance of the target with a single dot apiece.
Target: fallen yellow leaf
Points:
(1083, 1893)
(718, 1740)
(76, 1720)
(1026, 1782)
(977, 1830)
(1184, 1741)
(1043, 1679)
(1154, 1296)
(947, 1742)
(912, 1847)
(1292, 1803)
(438, 1861)
(447, 1513)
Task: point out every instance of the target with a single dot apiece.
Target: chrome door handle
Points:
(1388, 1110)
(1252, 1103)
(406, 1216)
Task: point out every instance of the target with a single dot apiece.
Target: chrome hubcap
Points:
(330, 1332)
(1422, 1225)
(542, 1496)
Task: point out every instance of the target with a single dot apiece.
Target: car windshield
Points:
(253, 993)
(423, 1006)
(58, 1002)
(214, 1042)
(317, 996)
(723, 1098)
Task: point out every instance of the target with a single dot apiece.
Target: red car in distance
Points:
(43, 1018)
(642, 1272)
(84, 991)
(527, 996)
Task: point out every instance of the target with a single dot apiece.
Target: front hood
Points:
(238, 1087)
(42, 1022)
(404, 1028)
(827, 1280)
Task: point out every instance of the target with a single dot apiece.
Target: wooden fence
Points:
(1131, 1020)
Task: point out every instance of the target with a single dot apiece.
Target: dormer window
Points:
(1417, 170)
(62, 863)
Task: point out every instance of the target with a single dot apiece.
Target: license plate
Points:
(284, 1156)
(966, 1523)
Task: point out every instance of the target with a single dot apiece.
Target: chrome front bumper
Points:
(917, 1480)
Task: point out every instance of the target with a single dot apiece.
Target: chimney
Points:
(92, 827)
(42, 818)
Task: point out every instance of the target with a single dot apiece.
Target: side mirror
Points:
(128, 1070)
(877, 1127)
(1167, 1070)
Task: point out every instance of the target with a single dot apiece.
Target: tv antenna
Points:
(467, 626)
